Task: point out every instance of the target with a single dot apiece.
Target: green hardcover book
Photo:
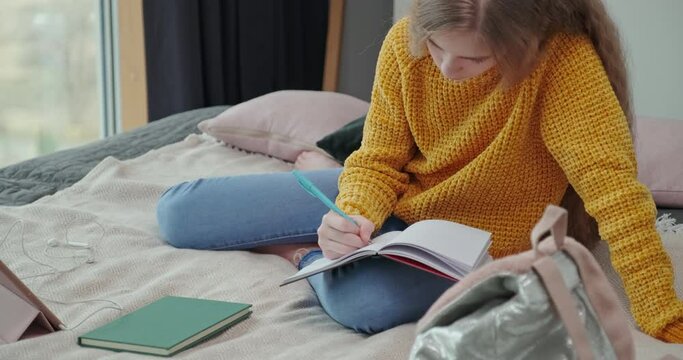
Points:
(167, 326)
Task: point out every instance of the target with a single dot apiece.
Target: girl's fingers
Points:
(338, 248)
(338, 236)
(349, 239)
(337, 222)
(366, 228)
(330, 254)
(343, 244)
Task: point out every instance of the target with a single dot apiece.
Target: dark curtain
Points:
(214, 52)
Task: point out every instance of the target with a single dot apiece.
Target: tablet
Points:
(24, 315)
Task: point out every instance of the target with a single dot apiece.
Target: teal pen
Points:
(313, 190)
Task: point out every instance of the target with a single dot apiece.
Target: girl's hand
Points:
(338, 236)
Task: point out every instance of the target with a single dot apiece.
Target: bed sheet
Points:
(133, 267)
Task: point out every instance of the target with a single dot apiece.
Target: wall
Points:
(366, 22)
(401, 8)
(652, 33)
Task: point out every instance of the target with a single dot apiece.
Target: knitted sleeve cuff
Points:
(673, 332)
(372, 210)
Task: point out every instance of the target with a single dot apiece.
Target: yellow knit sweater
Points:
(474, 153)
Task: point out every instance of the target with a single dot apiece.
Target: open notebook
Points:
(444, 248)
(23, 314)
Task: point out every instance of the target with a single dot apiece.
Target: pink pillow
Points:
(659, 148)
(284, 123)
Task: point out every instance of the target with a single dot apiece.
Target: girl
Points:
(482, 112)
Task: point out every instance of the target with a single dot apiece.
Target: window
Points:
(51, 94)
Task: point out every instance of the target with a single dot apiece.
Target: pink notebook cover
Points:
(24, 315)
(419, 265)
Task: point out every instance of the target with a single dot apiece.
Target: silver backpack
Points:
(551, 302)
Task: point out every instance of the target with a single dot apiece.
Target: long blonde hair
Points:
(516, 32)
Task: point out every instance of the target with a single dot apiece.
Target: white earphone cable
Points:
(55, 270)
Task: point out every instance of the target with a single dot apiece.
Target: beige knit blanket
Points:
(133, 266)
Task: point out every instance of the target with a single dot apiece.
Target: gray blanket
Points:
(30, 180)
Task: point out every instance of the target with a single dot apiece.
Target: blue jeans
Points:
(243, 212)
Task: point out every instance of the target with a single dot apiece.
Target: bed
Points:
(105, 193)
(30, 180)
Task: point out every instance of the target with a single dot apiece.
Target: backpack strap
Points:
(564, 304)
(554, 219)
